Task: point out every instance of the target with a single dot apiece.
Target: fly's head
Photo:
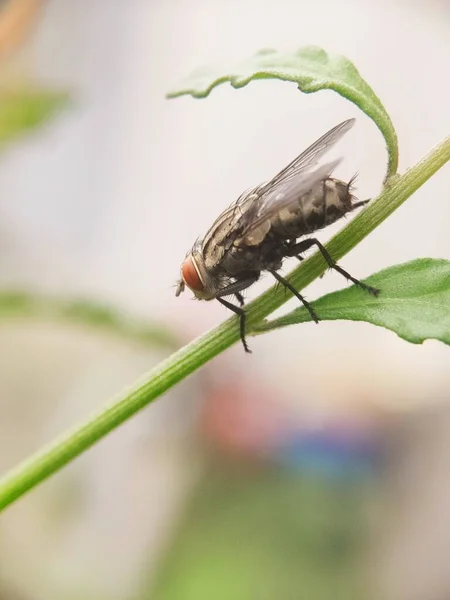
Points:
(194, 275)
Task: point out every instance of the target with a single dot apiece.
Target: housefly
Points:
(263, 226)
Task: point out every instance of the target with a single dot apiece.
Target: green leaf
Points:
(25, 109)
(414, 302)
(312, 69)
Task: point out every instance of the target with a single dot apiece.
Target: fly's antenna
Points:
(180, 285)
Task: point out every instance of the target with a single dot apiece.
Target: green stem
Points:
(178, 366)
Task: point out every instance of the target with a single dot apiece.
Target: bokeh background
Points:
(316, 468)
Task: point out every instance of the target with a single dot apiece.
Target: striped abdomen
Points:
(327, 202)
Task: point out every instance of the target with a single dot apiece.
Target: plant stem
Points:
(178, 366)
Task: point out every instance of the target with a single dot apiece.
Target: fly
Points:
(263, 226)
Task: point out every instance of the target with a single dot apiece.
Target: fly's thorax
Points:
(219, 238)
(256, 237)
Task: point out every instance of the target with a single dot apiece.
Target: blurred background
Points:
(317, 471)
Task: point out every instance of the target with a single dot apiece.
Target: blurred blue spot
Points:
(328, 455)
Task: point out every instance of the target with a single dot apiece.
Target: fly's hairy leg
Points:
(240, 312)
(240, 298)
(235, 288)
(238, 286)
(287, 247)
(278, 285)
(306, 244)
(305, 303)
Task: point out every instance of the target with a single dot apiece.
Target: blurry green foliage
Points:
(18, 304)
(266, 534)
(22, 110)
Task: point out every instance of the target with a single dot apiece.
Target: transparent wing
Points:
(294, 180)
(311, 155)
(283, 195)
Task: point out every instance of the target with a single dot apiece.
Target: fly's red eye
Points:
(190, 275)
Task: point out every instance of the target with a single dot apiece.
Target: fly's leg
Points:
(306, 244)
(235, 288)
(278, 285)
(240, 312)
(238, 286)
(287, 253)
(240, 298)
(305, 303)
(300, 258)
(288, 250)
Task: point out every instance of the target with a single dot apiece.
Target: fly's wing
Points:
(293, 181)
